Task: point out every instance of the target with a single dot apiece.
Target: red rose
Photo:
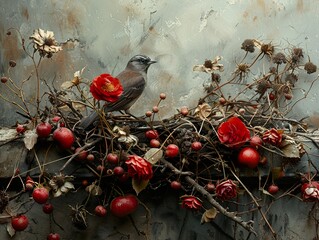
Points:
(191, 202)
(226, 190)
(107, 88)
(272, 136)
(233, 132)
(310, 191)
(139, 168)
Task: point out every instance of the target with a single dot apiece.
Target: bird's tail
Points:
(89, 120)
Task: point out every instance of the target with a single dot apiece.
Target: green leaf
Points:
(139, 185)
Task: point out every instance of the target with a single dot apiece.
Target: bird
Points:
(133, 79)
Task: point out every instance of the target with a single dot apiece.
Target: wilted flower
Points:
(265, 48)
(124, 136)
(233, 132)
(61, 184)
(210, 66)
(273, 137)
(203, 111)
(310, 191)
(139, 168)
(77, 77)
(248, 45)
(226, 190)
(45, 42)
(191, 202)
(106, 87)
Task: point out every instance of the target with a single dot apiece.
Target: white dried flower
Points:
(45, 42)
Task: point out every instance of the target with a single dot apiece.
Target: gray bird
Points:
(133, 80)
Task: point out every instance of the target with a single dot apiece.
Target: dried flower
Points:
(139, 168)
(79, 216)
(106, 87)
(310, 191)
(279, 58)
(248, 45)
(45, 42)
(203, 111)
(310, 67)
(61, 184)
(267, 49)
(273, 137)
(191, 202)
(77, 78)
(233, 132)
(210, 66)
(124, 136)
(226, 190)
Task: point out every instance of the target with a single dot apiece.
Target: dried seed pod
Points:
(267, 49)
(310, 67)
(216, 77)
(291, 78)
(12, 63)
(208, 63)
(4, 79)
(279, 58)
(248, 45)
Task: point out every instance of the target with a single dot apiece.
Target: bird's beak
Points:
(152, 61)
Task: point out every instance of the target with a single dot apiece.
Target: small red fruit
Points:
(222, 100)
(255, 141)
(172, 150)
(90, 157)
(196, 146)
(155, 109)
(44, 129)
(118, 171)
(124, 177)
(151, 134)
(56, 119)
(82, 154)
(100, 211)
(162, 96)
(47, 208)
(184, 111)
(124, 205)
(148, 114)
(249, 157)
(19, 223)
(100, 169)
(53, 236)
(154, 143)
(176, 185)
(210, 187)
(85, 183)
(112, 158)
(273, 189)
(40, 195)
(271, 96)
(64, 137)
(20, 128)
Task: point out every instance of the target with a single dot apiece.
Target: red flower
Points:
(191, 202)
(107, 88)
(226, 190)
(310, 191)
(139, 168)
(233, 132)
(272, 136)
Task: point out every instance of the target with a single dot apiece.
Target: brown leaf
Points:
(209, 215)
(139, 185)
(153, 155)
(94, 189)
(290, 148)
(10, 229)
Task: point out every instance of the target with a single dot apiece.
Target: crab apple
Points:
(124, 205)
(196, 146)
(249, 157)
(64, 137)
(273, 189)
(44, 129)
(20, 128)
(90, 157)
(53, 236)
(112, 158)
(176, 185)
(118, 171)
(255, 141)
(82, 154)
(19, 223)
(154, 143)
(171, 151)
(40, 195)
(100, 211)
(47, 208)
(151, 134)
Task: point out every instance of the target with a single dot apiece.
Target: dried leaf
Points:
(10, 229)
(7, 134)
(30, 138)
(67, 85)
(290, 148)
(94, 189)
(139, 185)
(209, 215)
(153, 155)
(266, 192)
(203, 110)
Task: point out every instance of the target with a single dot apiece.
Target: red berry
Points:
(196, 146)
(162, 96)
(255, 141)
(47, 208)
(40, 195)
(124, 177)
(4, 79)
(62, 124)
(53, 236)
(100, 169)
(118, 171)
(100, 211)
(112, 158)
(19, 223)
(210, 187)
(155, 109)
(263, 160)
(172, 150)
(123, 205)
(176, 185)
(56, 119)
(184, 111)
(64, 137)
(82, 156)
(222, 100)
(85, 183)
(273, 189)
(148, 114)
(20, 128)
(249, 157)
(44, 129)
(90, 157)
(151, 134)
(271, 96)
(154, 143)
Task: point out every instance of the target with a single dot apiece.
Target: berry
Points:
(124, 205)
(249, 157)
(90, 157)
(271, 96)
(162, 96)
(44, 129)
(151, 134)
(82, 156)
(196, 146)
(155, 109)
(100, 169)
(273, 189)
(222, 100)
(53, 236)
(47, 208)
(19, 223)
(154, 143)
(172, 150)
(64, 137)
(112, 158)
(100, 211)
(176, 185)
(124, 177)
(56, 119)
(210, 187)
(118, 171)
(184, 111)
(148, 114)
(20, 128)
(255, 141)
(85, 183)
(4, 79)
(40, 195)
